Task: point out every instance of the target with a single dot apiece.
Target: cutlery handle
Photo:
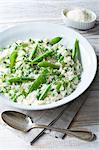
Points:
(78, 133)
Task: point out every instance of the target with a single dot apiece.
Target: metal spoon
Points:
(24, 123)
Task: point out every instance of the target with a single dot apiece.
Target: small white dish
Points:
(78, 24)
(41, 30)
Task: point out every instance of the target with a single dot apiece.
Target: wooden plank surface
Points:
(13, 12)
(20, 11)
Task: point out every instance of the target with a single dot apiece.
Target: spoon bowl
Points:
(17, 120)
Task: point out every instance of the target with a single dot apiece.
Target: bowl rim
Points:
(60, 102)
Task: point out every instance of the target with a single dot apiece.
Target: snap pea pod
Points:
(55, 40)
(76, 51)
(45, 93)
(33, 52)
(24, 45)
(40, 58)
(21, 46)
(13, 57)
(58, 86)
(20, 79)
(24, 93)
(40, 80)
(48, 64)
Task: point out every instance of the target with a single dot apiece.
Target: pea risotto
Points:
(37, 72)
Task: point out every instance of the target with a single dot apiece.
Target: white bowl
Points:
(78, 25)
(43, 30)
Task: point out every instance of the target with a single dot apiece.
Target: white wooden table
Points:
(19, 11)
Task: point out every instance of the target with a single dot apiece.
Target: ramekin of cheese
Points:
(79, 18)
